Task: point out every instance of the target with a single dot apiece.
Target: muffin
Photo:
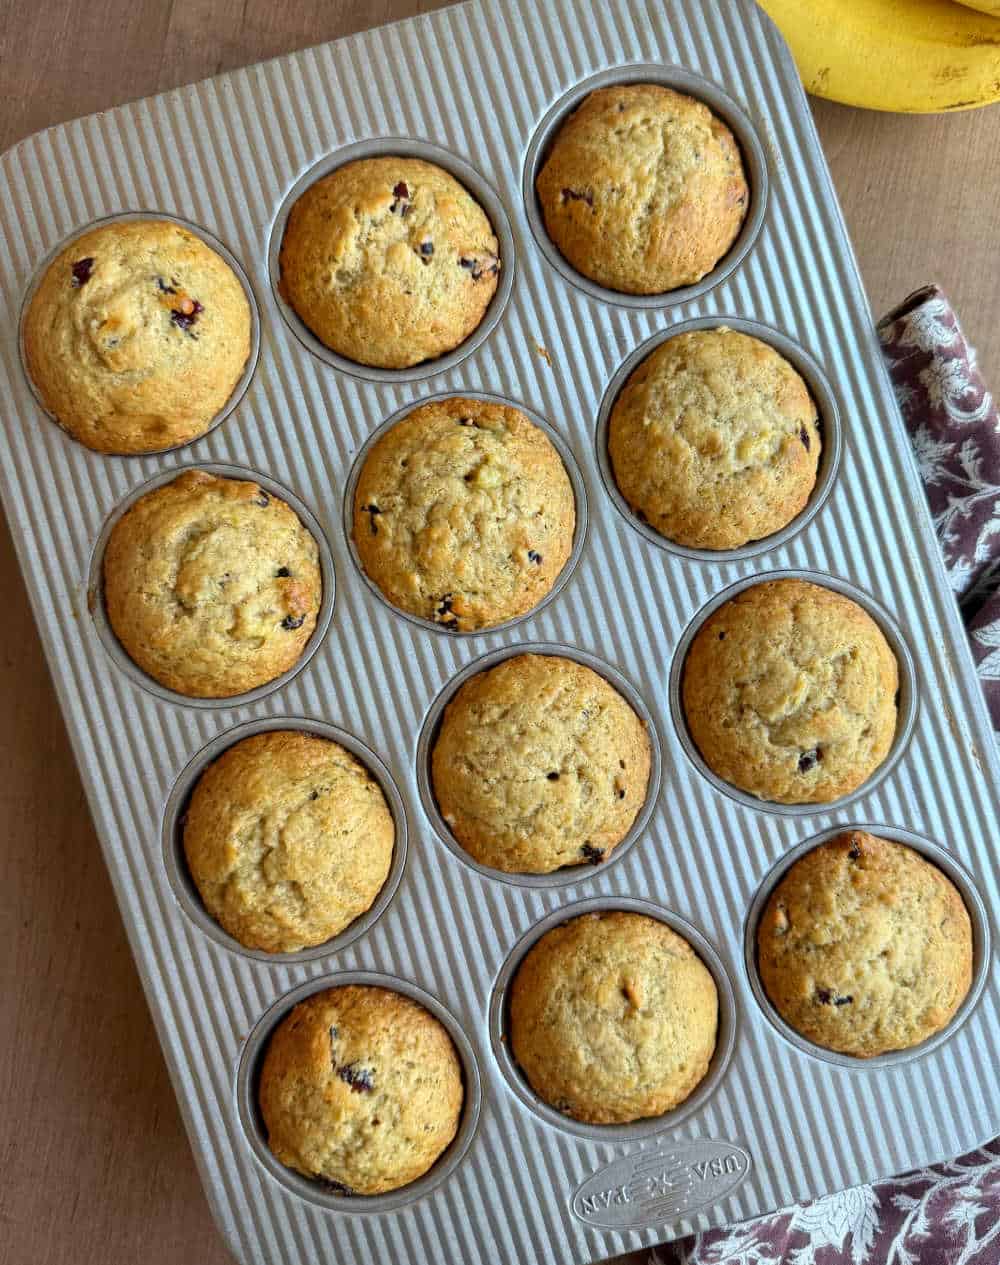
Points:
(643, 189)
(789, 692)
(361, 1088)
(288, 839)
(389, 261)
(136, 336)
(464, 514)
(540, 763)
(613, 1017)
(865, 947)
(714, 440)
(212, 585)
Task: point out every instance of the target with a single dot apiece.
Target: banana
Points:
(909, 56)
(984, 6)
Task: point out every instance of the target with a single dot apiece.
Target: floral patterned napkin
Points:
(948, 1214)
(953, 422)
(945, 1215)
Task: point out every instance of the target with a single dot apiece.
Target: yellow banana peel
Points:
(908, 56)
(984, 6)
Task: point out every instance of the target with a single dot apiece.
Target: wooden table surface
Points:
(94, 1162)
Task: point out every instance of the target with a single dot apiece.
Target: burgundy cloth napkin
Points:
(953, 422)
(948, 1214)
(944, 1215)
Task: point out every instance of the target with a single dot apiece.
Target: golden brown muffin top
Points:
(137, 335)
(288, 839)
(389, 261)
(613, 1017)
(361, 1088)
(464, 513)
(714, 440)
(789, 692)
(212, 585)
(864, 946)
(540, 763)
(643, 189)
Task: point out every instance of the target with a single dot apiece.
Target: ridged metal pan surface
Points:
(478, 82)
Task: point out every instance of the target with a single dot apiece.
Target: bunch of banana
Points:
(910, 56)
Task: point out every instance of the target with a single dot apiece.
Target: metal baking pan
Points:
(480, 87)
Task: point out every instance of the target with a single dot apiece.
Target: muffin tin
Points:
(484, 83)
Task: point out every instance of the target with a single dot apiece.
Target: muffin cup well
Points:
(175, 861)
(950, 867)
(239, 390)
(830, 428)
(612, 1133)
(906, 711)
(692, 85)
(117, 652)
(466, 175)
(570, 465)
(432, 725)
(313, 1191)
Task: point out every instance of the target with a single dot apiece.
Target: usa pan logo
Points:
(657, 1187)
